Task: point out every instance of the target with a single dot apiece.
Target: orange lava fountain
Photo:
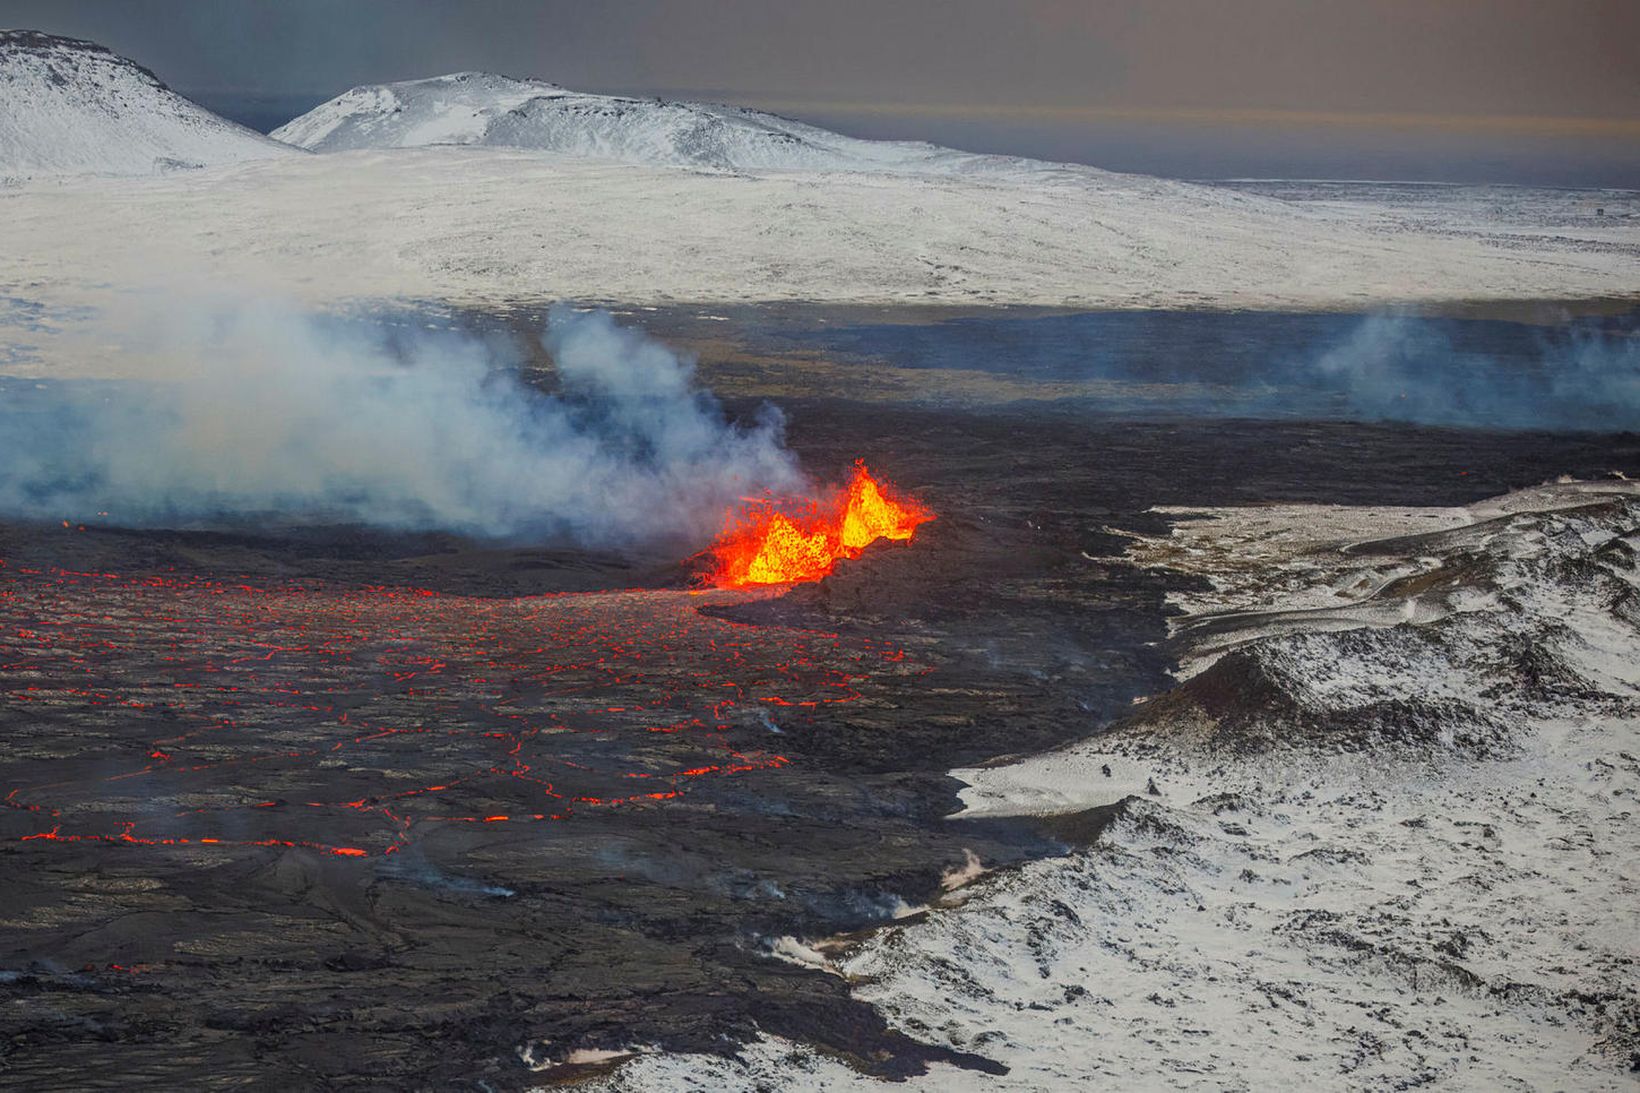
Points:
(761, 544)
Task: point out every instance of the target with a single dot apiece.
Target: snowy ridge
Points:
(1315, 905)
(481, 108)
(70, 107)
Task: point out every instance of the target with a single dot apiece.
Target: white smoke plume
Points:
(1396, 368)
(267, 410)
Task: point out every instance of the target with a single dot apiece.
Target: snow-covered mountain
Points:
(68, 107)
(480, 108)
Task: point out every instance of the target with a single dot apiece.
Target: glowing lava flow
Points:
(182, 714)
(763, 545)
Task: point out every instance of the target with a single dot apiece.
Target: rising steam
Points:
(268, 410)
(1395, 368)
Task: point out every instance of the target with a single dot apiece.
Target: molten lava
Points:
(763, 544)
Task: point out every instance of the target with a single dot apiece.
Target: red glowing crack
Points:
(539, 693)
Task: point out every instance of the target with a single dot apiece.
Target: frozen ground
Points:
(489, 225)
(1398, 853)
(1587, 218)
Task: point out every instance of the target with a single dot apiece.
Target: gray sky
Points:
(1540, 90)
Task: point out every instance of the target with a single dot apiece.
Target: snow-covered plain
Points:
(483, 225)
(1279, 902)
(69, 107)
(480, 189)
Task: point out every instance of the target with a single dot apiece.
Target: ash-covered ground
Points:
(334, 807)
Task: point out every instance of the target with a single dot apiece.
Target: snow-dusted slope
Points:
(480, 108)
(70, 107)
(498, 225)
(1390, 854)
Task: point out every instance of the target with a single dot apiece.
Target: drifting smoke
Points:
(267, 410)
(1581, 374)
(1400, 369)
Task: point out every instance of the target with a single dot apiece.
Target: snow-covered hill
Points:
(479, 108)
(71, 107)
(1276, 898)
(802, 214)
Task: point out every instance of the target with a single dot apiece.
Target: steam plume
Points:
(270, 410)
(1400, 369)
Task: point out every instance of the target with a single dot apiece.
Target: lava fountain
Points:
(769, 543)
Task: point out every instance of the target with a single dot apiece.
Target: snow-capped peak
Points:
(69, 106)
(481, 108)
